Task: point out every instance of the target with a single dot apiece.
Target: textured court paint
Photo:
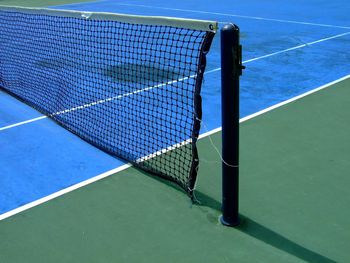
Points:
(63, 191)
(10, 100)
(294, 202)
(120, 168)
(40, 3)
(314, 11)
(289, 217)
(18, 113)
(301, 160)
(270, 80)
(265, 83)
(195, 11)
(40, 155)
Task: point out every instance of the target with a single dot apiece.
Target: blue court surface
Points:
(288, 49)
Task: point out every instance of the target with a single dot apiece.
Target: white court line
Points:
(108, 173)
(206, 134)
(22, 123)
(167, 83)
(88, 105)
(239, 16)
(62, 192)
(98, 177)
(278, 105)
(300, 46)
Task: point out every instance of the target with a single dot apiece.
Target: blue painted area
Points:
(42, 160)
(267, 81)
(74, 70)
(313, 11)
(19, 111)
(275, 79)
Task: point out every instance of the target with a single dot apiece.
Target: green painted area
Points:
(294, 201)
(40, 3)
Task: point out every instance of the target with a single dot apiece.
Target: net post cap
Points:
(229, 27)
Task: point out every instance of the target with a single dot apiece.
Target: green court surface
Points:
(294, 201)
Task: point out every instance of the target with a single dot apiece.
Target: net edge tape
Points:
(203, 25)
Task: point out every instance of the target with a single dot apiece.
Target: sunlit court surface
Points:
(62, 199)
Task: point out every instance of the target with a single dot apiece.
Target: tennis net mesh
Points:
(128, 85)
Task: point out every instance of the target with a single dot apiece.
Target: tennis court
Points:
(64, 200)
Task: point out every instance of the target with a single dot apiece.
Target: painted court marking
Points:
(278, 105)
(91, 104)
(123, 167)
(62, 192)
(167, 83)
(233, 15)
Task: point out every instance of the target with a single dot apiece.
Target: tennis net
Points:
(129, 85)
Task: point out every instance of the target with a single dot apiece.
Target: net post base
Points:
(230, 223)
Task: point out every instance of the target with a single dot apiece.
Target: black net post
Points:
(231, 69)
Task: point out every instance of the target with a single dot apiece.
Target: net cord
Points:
(202, 25)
